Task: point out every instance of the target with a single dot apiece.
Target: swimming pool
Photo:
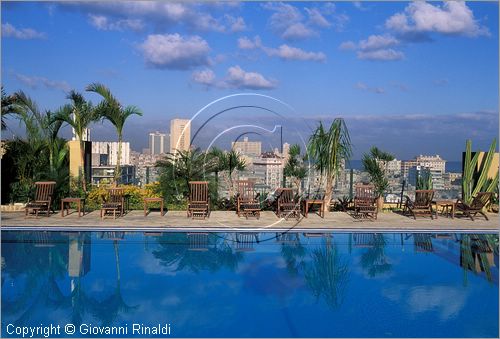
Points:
(249, 284)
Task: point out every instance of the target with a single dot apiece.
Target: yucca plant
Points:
(424, 181)
(470, 185)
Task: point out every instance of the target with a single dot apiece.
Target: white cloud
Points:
(375, 48)
(173, 51)
(239, 78)
(235, 24)
(161, 14)
(375, 42)
(35, 82)
(380, 55)
(364, 87)
(316, 18)
(205, 77)
(298, 31)
(236, 77)
(103, 23)
(286, 52)
(9, 31)
(291, 24)
(348, 45)
(453, 17)
(246, 43)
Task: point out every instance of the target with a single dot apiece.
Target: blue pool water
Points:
(250, 285)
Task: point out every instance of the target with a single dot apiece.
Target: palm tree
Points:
(182, 167)
(294, 168)
(9, 106)
(79, 115)
(327, 149)
(41, 129)
(111, 109)
(375, 164)
(219, 165)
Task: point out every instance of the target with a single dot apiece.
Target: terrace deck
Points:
(229, 221)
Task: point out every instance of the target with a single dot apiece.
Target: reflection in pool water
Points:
(247, 285)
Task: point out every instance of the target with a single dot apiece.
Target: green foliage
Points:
(473, 183)
(424, 181)
(177, 170)
(375, 163)
(294, 167)
(327, 150)
(113, 111)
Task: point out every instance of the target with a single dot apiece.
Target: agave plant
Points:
(424, 181)
(473, 183)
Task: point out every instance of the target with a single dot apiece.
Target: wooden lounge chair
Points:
(115, 202)
(365, 201)
(247, 201)
(476, 206)
(287, 204)
(43, 198)
(199, 200)
(422, 204)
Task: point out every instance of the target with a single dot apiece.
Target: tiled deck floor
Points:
(224, 221)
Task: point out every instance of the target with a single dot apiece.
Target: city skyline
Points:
(407, 86)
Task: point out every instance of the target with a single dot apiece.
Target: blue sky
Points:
(410, 78)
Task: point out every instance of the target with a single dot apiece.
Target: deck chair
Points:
(476, 206)
(422, 204)
(287, 204)
(365, 201)
(247, 201)
(114, 203)
(199, 201)
(43, 198)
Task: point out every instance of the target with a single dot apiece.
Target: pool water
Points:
(251, 284)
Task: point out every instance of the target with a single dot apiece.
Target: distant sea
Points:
(451, 166)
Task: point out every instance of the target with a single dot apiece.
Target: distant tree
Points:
(79, 115)
(111, 109)
(327, 149)
(294, 167)
(375, 164)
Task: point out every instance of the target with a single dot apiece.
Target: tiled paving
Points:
(224, 221)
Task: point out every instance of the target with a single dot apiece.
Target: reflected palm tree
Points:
(174, 253)
(111, 307)
(293, 252)
(327, 274)
(374, 260)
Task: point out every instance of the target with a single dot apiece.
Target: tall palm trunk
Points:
(328, 194)
(118, 159)
(82, 159)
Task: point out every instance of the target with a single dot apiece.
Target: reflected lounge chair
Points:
(476, 206)
(199, 200)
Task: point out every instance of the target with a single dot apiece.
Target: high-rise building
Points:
(180, 135)
(269, 169)
(251, 148)
(158, 143)
(434, 162)
(105, 153)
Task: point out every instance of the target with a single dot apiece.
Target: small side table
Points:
(79, 204)
(309, 202)
(447, 205)
(152, 200)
